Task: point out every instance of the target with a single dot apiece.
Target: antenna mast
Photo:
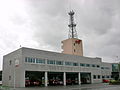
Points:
(72, 25)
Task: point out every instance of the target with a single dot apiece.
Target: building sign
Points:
(16, 63)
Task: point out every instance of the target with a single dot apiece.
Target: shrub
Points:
(114, 82)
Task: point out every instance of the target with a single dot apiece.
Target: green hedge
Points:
(114, 82)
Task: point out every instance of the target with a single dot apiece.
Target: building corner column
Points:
(79, 79)
(64, 78)
(92, 81)
(46, 79)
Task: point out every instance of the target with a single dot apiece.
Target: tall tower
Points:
(72, 26)
(72, 45)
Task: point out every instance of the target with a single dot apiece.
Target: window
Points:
(98, 76)
(93, 65)
(108, 77)
(38, 60)
(29, 59)
(59, 62)
(34, 60)
(68, 63)
(87, 65)
(26, 59)
(102, 67)
(107, 68)
(98, 66)
(115, 67)
(74, 50)
(74, 44)
(10, 62)
(50, 61)
(9, 77)
(75, 64)
(103, 76)
(94, 76)
(81, 64)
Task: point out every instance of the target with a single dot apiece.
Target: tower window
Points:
(74, 50)
(74, 44)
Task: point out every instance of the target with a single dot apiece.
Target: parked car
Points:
(27, 83)
(74, 81)
(32, 83)
(106, 81)
(68, 82)
(55, 82)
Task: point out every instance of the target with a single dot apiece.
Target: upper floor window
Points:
(102, 67)
(93, 65)
(9, 77)
(38, 60)
(29, 60)
(26, 59)
(81, 64)
(34, 60)
(98, 66)
(10, 62)
(59, 62)
(75, 64)
(87, 65)
(50, 61)
(107, 68)
(68, 63)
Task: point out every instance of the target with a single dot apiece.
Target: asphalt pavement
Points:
(102, 86)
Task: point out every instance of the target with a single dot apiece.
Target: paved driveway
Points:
(75, 87)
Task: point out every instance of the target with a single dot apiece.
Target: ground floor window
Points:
(98, 76)
(94, 76)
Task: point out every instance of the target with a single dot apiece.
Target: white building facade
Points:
(84, 69)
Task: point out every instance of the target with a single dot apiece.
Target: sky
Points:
(43, 24)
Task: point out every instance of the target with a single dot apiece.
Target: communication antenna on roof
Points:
(72, 25)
